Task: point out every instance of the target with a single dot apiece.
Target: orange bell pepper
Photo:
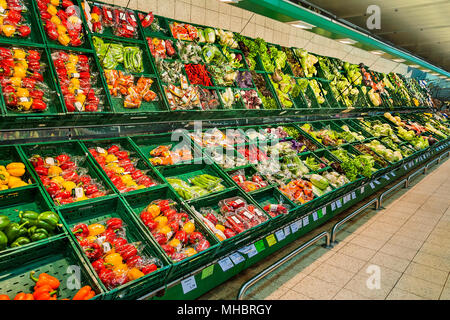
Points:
(45, 279)
(23, 296)
(84, 293)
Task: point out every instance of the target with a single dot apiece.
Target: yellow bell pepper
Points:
(114, 258)
(71, 67)
(121, 270)
(73, 58)
(96, 229)
(61, 29)
(111, 158)
(59, 180)
(15, 81)
(20, 184)
(4, 177)
(20, 72)
(22, 64)
(16, 169)
(75, 82)
(3, 187)
(19, 54)
(54, 2)
(52, 10)
(82, 198)
(174, 243)
(127, 178)
(22, 92)
(80, 98)
(134, 274)
(55, 20)
(64, 39)
(69, 185)
(13, 182)
(8, 30)
(54, 171)
(190, 251)
(161, 220)
(220, 227)
(141, 186)
(3, 4)
(118, 170)
(189, 227)
(164, 230)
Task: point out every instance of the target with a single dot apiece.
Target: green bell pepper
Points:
(30, 216)
(4, 222)
(48, 220)
(15, 230)
(36, 234)
(3, 241)
(21, 241)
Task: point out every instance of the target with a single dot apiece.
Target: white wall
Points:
(221, 15)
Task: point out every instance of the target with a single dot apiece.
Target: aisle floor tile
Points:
(316, 289)
(427, 273)
(391, 262)
(419, 287)
(399, 294)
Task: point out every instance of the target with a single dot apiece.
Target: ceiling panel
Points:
(420, 26)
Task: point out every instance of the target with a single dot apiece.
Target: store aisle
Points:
(407, 244)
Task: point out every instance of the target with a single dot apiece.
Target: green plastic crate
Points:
(126, 145)
(72, 148)
(115, 208)
(97, 82)
(273, 196)
(147, 143)
(164, 27)
(228, 245)
(54, 105)
(23, 199)
(188, 171)
(31, 19)
(58, 258)
(138, 202)
(55, 43)
(10, 154)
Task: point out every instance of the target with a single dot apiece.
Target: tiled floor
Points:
(400, 252)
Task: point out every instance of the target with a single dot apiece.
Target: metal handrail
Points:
(446, 154)
(435, 160)
(419, 171)
(351, 215)
(380, 199)
(282, 261)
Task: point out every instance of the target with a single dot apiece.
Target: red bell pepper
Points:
(114, 223)
(119, 242)
(195, 237)
(182, 236)
(41, 170)
(81, 230)
(149, 268)
(93, 251)
(98, 265)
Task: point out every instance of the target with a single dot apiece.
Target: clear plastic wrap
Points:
(13, 22)
(248, 183)
(65, 179)
(115, 260)
(174, 230)
(120, 167)
(22, 80)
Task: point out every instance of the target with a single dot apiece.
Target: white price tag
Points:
(50, 161)
(280, 235)
(252, 251)
(386, 177)
(346, 198)
(188, 284)
(226, 264)
(324, 211)
(339, 203)
(393, 173)
(287, 231)
(236, 258)
(372, 185)
(295, 226)
(353, 195)
(305, 221)
(362, 189)
(333, 206)
(314, 215)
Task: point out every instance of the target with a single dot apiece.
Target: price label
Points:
(362, 189)
(333, 206)
(324, 211)
(259, 245)
(405, 167)
(207, 271)
(386, 177)
(372, 185)
(315, 217)
(236, 258)
(353, 195)
(271, 240)
(252, 251)
(339, 203)
(376, 181)
(226, 264)
(393, 173)
(346, 198)
(305, 221)
(188, 284)
(295, 226)
(287, 231)
(280, 235)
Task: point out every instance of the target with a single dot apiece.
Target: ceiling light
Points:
(414, 65)
(378, 52)
(347, 41)
(442, 77)
(301, 25)
(434, 74)
(235, 1)
(399, 60)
